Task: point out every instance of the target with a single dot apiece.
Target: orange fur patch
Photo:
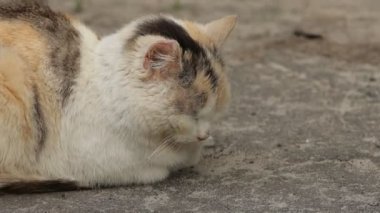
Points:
(223, 93)
(14, 87)
(24, 40)
(22, 50)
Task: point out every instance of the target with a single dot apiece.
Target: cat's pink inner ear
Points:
(162, 55)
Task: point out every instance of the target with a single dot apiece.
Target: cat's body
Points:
(128, 108)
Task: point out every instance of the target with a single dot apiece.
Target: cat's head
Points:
(180, 82)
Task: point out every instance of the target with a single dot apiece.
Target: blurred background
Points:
(352, 23)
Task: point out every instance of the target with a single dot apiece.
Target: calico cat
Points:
(78, 111)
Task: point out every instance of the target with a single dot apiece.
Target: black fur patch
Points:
(189, 72)
(210, 73)
(43, 186)
(40, 121)
(167, 28)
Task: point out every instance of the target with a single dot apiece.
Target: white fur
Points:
(105, 127)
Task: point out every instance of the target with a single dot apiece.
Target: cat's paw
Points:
(210, 142)
(152, 174)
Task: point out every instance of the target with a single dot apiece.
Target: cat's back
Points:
(40, 54)
(45, 40)
(18, 35)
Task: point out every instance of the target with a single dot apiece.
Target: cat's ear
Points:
(162, 55)
(219, 30)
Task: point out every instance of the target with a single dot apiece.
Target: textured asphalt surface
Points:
(303, 131)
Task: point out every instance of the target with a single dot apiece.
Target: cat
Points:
(78, 112)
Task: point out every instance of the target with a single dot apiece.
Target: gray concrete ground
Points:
(303, 132)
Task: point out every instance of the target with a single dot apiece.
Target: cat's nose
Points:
(203, 137)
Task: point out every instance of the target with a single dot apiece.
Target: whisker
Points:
(159, 149)
(177, 146)
(164, 144)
